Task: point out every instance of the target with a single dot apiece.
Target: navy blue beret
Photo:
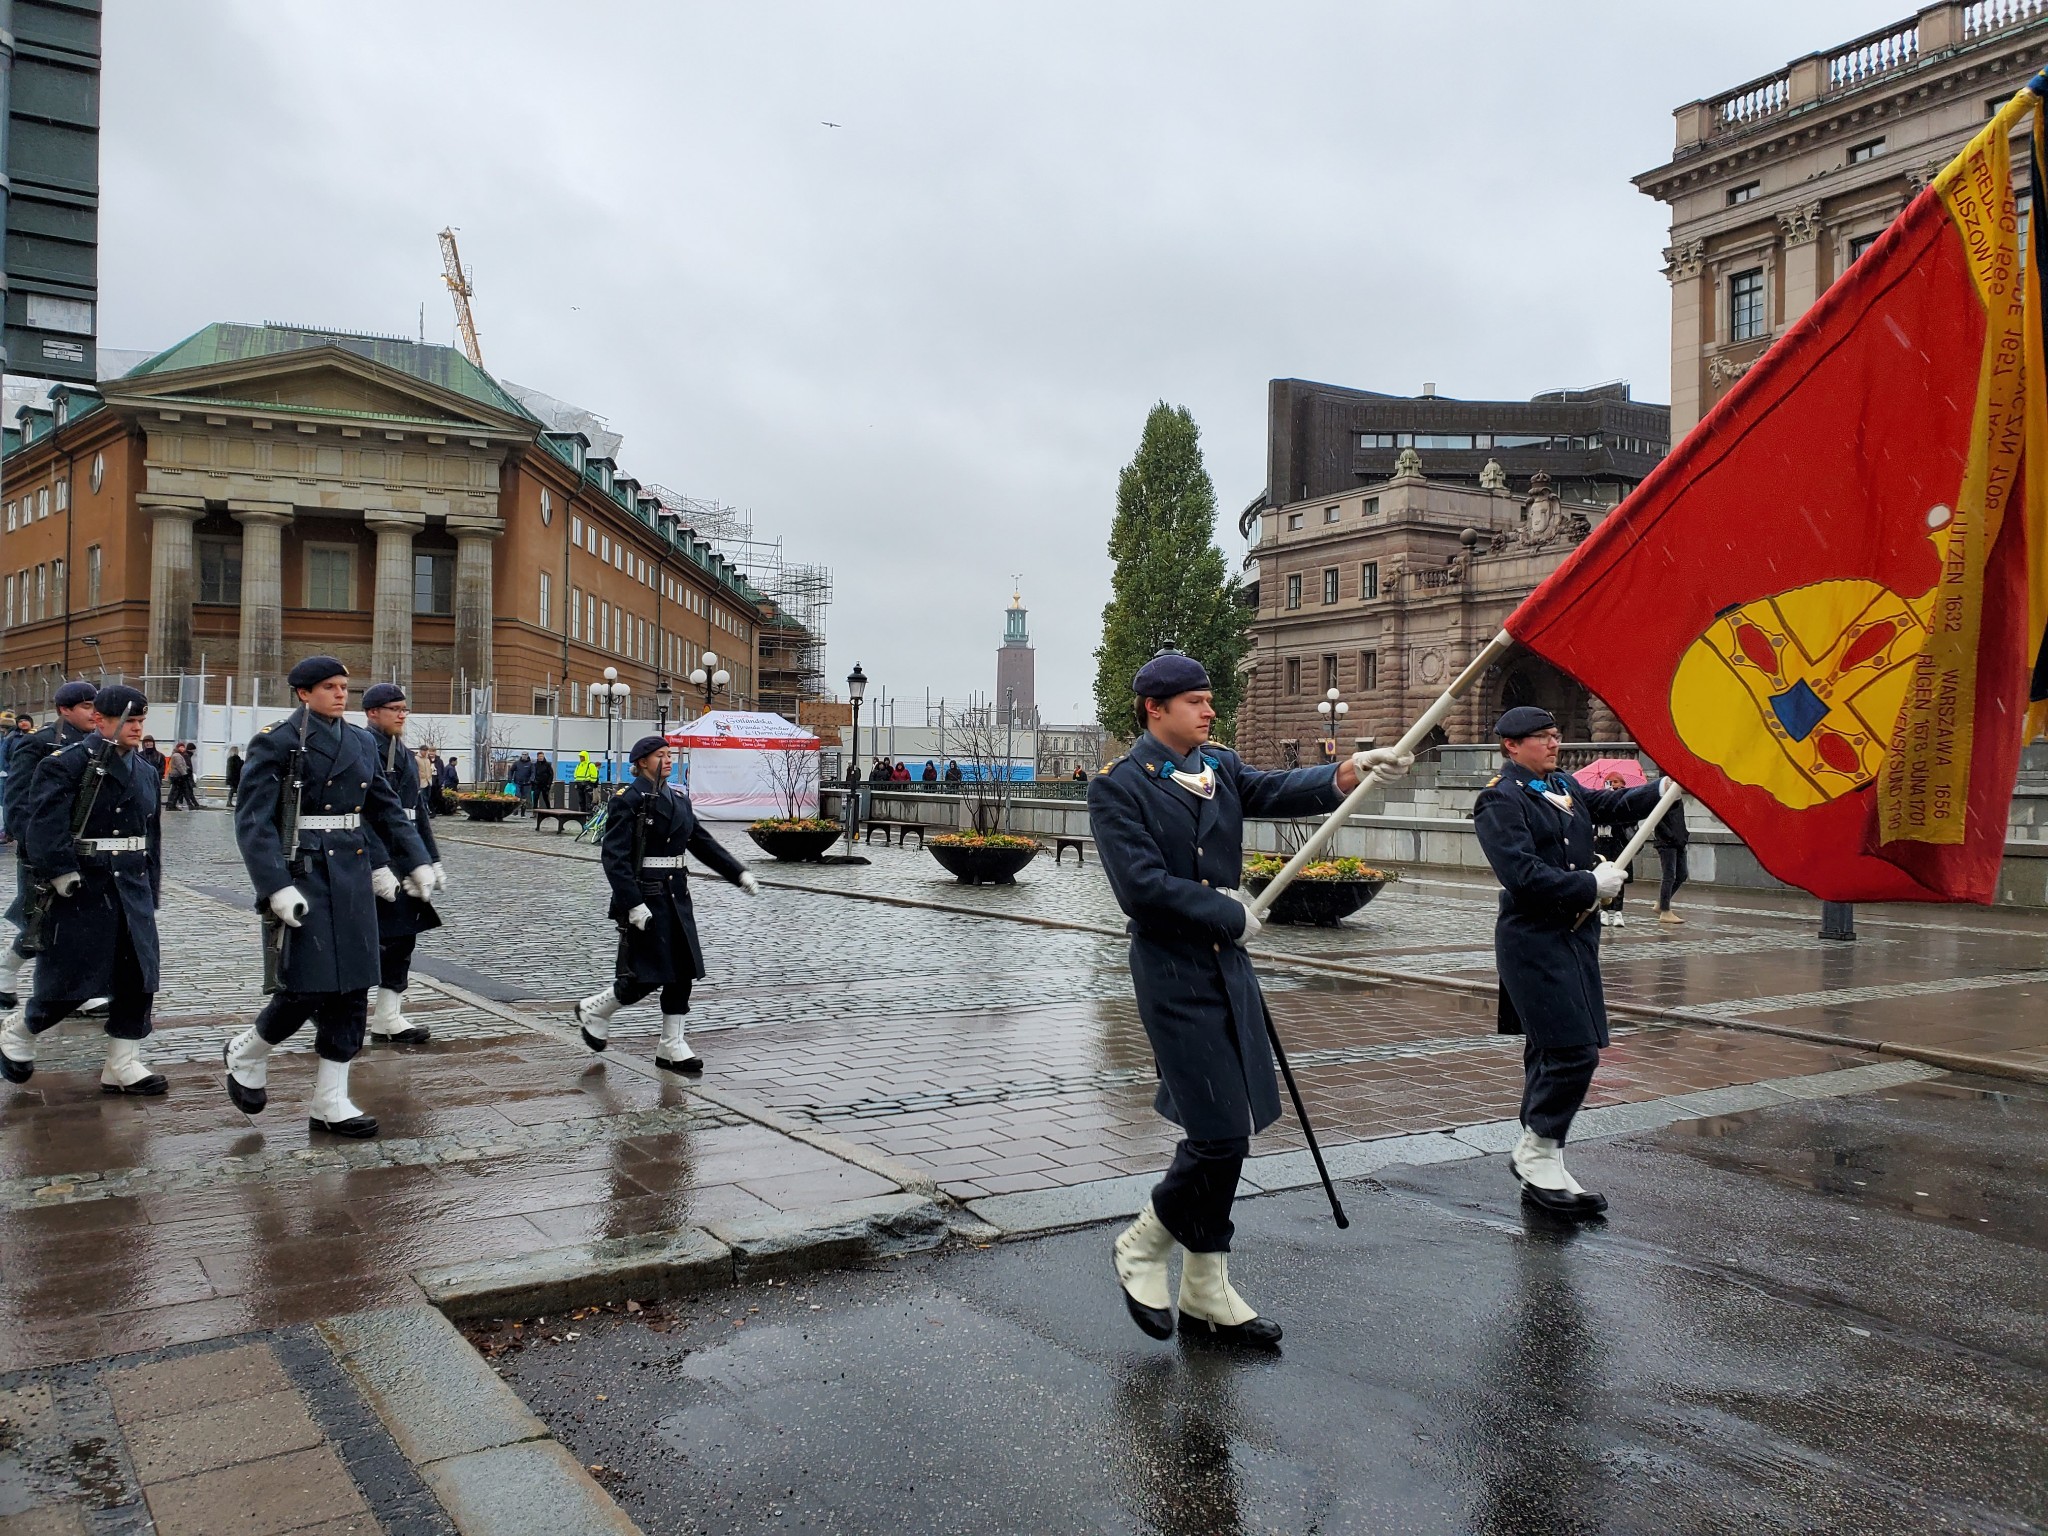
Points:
(315, 670)
(644, 746)
(377, 695)
(71, 695)
(1167, 674)
(1524, 720)
(117, 699)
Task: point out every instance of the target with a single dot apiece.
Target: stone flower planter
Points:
(976, 863)
(796, 845)
(1324, 893)
(487, 807)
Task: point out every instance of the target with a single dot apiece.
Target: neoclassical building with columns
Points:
(256, 493)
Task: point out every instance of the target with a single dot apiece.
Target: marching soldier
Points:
(74, 722)
(1168, 820)
(649, 826)
(315, 821)
(1535, 825)
(401, 918)
(91, 834)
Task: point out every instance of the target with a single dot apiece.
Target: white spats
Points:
(1539, 1161)
(1142, 1250)
(388, 1023)
(593, 1017)
(127, 1072)
(11, 962)
(674, 1054)
(248, 1060)
(1206, 1293)
(332, 1110)
(17, 1048)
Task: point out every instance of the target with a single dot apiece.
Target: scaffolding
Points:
(800, 592)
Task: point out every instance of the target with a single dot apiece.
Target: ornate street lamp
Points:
(613, 693)
(709, 675)
(663, 694)
(856, 690)
(1333, 710)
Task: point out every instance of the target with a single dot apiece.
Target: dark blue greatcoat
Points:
(1169, 855)
(408, 915)
(335, 950)
(118, 889)
(664, 951)
(1544, 858)
(29, 752)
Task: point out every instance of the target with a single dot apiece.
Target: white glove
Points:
(440, 876)
(1252, 925)
(64, 885)
(289, 906)
(641, 916)
(384, 883)
(420, 883)
(1608, 879)
(1391, 764)
(748, 883)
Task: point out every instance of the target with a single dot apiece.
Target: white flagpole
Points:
(1627, 856)
(1412, 741)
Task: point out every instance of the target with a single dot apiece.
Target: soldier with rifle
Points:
(649, 826)
(74, 722)
(321, 832)
(92, 836)
(401, 918)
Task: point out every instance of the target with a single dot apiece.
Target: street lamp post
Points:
(1333, 710)
(708, 676)
(856, 690)
(664, 692)
(612, 691)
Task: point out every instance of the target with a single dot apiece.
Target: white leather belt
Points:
(662, 861)
(344, 823)
(113, 845)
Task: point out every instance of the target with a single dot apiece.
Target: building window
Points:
(1862, 243)
(1869, 149)
(606, 541)
(1331, 514)
(1746, 305)
(99, 471)
(1369, 508)
(1329, 673)
(57, 594)
(576, 531)
(92, 576)
(220, 570)
(10, 517)
(606, 632)
(43, 503)
(42, 592)
(1375, 439)
(1748, 191)
(1369, 580)
(1368, 671)
(63, 495)
(1294, 674)
(547, 590)
(1293, 521)
(330, 577)
(547, 507)
(590, 620)
(10, 602)
(433, 584)
(1330, 585)
(1294, 591)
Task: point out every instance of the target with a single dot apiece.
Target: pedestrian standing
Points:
(522, 781)
(1671, 837)
(543, 781)
(1535, 826)
(1609, 839)
(234, 772)
(92, 832)
(952, 772)
(401, 916)
(76, 720)
(649, 827)
(156, 760)
(1168, 820)
(586, 781)
(313, 778)
(178, 773)
(930, 774)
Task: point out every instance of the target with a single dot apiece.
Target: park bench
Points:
(542, 817)
(895, 831)
(1079, 844)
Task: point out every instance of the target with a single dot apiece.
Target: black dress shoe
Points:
(250, 1101)
(412, 1034)
(16, 1071)
(149, 1087)
(1259, 1333)
(591, 1040)
(356, 1129)
(689, 1066)
(9, 1002)
(1156, 1322)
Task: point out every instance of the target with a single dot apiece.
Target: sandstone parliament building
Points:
(261, 492)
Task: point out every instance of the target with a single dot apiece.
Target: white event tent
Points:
(742, 762)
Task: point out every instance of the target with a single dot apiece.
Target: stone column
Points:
(391, 608)
(473, 540)
(1801, 226)
(260, 657)
(1691, 322)
(173, 579)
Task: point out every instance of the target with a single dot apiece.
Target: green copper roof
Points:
(445, 367)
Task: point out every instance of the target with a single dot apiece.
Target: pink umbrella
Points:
(1595, 774)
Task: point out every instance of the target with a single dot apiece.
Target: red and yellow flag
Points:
(1824, 613)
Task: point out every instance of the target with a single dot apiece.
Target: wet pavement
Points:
(1819, 1317)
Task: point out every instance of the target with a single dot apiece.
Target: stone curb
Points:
(689, 1261)
(493, 1465)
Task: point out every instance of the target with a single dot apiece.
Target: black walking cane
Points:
(1307, 1130)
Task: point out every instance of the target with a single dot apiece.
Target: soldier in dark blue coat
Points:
(105, 880)
(649, 827)
(349, 821)
(401, 918)
(1535, 825)
(74, 722)
(1168, 820)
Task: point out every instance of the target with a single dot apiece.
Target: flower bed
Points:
(486, 805)
(983, 858)
(794, 839)
(1323, 894)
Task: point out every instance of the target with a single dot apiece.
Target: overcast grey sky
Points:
(920, 345)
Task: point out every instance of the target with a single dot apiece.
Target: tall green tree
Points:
(1171, 584)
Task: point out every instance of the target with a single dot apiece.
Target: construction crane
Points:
(458, 287)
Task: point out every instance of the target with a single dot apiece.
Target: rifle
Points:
(276, 932)
(35, 907)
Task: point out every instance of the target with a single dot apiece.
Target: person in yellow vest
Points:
(586, 779)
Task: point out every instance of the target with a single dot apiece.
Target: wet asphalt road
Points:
(1823, 1317)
